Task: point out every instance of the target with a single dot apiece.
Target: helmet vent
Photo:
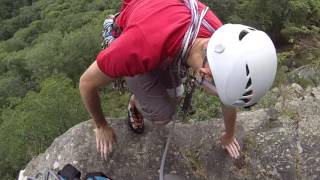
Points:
(249, 107)
(247, 70)
(252, 29)
(248, 75)
(243, 34)
(246, 96)
(249, 83)
(246, 100)
(248, 93)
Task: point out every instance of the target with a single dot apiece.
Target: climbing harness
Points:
(181, 60)
(188, 41)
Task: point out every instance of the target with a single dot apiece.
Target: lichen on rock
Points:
(279, 142)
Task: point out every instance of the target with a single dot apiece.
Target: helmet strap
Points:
(202, 80)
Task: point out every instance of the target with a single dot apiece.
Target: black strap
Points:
(69, 172)
(115, 28)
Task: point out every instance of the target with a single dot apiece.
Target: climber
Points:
(236, 63)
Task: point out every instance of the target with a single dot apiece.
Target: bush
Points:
(10, 26)
(206, 106)
(275, 16)
(224, 9)
(37, 119)
(113, 104)
(11, 85)
(55, 52)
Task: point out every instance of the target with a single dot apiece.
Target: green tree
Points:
(274, 16)
(21, 19)
(11, 85)
(10, 8)
(36, 120)
(68, 53)
(223, 8)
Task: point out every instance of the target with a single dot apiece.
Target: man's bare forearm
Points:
(91, 100)
(229, 116)
(90, 81)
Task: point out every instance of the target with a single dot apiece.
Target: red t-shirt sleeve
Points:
(130, 54)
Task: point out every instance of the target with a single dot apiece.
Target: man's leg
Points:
(151, 98)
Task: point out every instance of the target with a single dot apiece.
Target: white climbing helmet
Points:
(243, 62)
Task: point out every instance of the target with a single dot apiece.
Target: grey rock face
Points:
(277, 143)
(308, 73)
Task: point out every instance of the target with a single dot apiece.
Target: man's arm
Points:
(229, 117)
(90, 82)
(228, 139)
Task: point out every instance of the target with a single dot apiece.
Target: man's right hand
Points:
(231, 144)
(91, 80)
(105, 137)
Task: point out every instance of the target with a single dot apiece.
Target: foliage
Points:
(278, 16)
(300, 63)
(10, 8)
(25, 15)
(224, 9)
(39, 40)
(283, 20)
(57, 53)
(11, 86)
(205, 106)
(114, 104)
(45, 45)
(36, 120)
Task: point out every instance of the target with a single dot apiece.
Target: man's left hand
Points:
(231, 144)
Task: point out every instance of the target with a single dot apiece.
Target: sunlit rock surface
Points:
(279, 142)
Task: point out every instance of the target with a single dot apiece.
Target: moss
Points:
(250, 143)
(289, 113)
(267, 101)
(302, 81)
(194, 161)
(284, 58)
(281, 76)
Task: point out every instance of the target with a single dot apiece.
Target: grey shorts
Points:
(154, 94)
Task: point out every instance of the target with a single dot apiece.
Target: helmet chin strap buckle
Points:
(209, 86)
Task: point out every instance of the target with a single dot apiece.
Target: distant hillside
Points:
(45, 45)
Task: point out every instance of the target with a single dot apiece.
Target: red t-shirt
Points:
(152, 33)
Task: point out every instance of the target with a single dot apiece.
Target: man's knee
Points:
(162, 122)
(164, 115)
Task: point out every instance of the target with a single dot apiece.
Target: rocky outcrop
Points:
(308, 74)
(280, 142)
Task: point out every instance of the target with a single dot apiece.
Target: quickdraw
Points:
(109, 33)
